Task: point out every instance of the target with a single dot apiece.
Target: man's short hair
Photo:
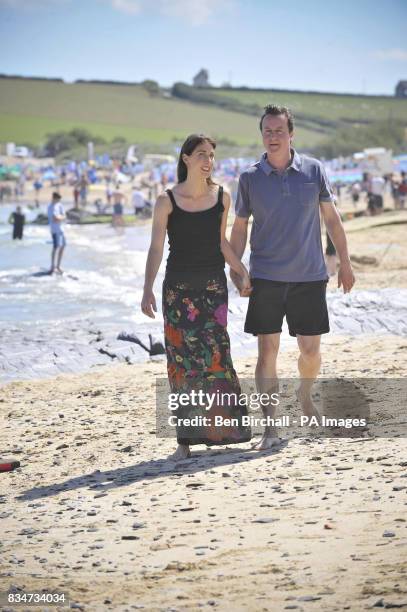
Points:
(56, 196)
(274, 111)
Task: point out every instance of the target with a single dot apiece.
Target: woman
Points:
(194, 293)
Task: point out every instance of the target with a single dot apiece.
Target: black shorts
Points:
(304, 305)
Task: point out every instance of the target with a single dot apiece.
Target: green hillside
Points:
(332, 107)
(31, 109)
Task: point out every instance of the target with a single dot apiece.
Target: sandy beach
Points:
(96, 511)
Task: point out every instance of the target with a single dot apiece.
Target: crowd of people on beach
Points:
(30, 185)
(128, 187)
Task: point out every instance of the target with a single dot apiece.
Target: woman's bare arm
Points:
(155, 253)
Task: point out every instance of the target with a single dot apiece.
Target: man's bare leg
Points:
(53, 260)
(59, 259)
(309, 364)
(267, 382)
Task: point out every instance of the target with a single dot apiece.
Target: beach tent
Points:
(400, 162)
(10, 171)
(119, 177)
(49, 175)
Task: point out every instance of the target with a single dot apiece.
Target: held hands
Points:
(346, 278)
(242, 282)
(148, 304)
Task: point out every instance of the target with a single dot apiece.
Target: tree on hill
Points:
(58, 142)
(390, 134)
(151, 86)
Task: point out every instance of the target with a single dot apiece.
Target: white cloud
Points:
(194, 12)
(30, 4)
(392, 54)
(130, 7)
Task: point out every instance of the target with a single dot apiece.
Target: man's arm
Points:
(59, 214)
(238, 236)
(336, 232)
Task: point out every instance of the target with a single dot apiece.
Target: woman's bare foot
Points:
(182, 452)
(266, 441)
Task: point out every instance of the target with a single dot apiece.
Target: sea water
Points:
(102, 282)
(103, 285)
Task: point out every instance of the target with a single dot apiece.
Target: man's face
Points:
(276, 135)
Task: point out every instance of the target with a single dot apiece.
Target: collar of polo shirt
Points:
(268, 169)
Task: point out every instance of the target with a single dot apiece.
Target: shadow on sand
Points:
(149, 470)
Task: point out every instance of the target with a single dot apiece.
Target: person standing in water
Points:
(17, 219)
(194, 294)
(118, 209)
(56, 217)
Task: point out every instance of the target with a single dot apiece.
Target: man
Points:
(118, 200)
(377, 186)
(355, 193)
(138, 201)
(285, 192)
(37, 188)
(402, 190)
(83, 189)
(17, 219)
(56, 217)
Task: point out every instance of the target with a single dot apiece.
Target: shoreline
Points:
(31, 352)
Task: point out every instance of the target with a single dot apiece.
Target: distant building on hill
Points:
(201, 79)
(401, 89)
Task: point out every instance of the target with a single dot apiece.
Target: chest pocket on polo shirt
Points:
(309, 194)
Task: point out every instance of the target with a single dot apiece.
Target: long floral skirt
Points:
(199, 363)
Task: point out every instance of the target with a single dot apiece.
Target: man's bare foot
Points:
(307, 405)
(266, 441)
(182, 452)
(59, 270)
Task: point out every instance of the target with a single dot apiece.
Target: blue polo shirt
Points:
(285, 239)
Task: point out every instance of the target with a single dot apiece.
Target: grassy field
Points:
(31, 109)
(336, 108)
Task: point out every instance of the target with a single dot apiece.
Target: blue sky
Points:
(356, 46)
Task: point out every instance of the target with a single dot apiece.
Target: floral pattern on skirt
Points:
(198, 358)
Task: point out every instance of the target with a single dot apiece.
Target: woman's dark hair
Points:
(189, 146)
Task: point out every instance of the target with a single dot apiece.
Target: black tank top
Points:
(194, 242)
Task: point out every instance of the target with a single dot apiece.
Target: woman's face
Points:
(201, 160)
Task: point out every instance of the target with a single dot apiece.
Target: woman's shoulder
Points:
(163, 202)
